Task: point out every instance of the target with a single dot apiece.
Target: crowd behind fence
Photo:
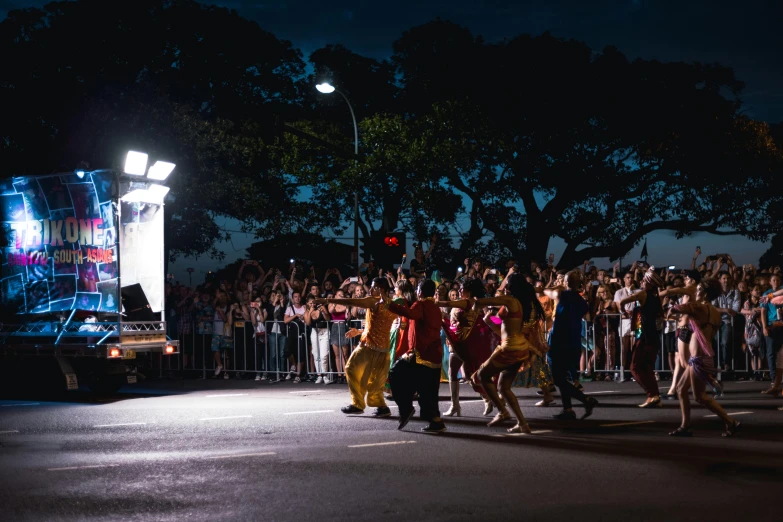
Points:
(272, 353)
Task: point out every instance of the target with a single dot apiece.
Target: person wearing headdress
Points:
(646, 337)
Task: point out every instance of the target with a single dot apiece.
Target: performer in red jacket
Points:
(418, 370)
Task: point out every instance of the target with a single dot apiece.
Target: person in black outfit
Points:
(647, 340)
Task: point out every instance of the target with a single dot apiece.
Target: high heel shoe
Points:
(500, 417)
(488, 407)
(453, 411)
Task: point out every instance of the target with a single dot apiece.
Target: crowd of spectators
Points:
(263, 323)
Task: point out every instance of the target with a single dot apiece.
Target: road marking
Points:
(243, 455)
(123, 424)
(84, 467)
(8, 431)
(732, 413)
(231, 417)
(308, 391)
(626, 424)
(383, 444)
(537, 432)
(22, 404)
(305, 412)
(228, 395)
(597, 392)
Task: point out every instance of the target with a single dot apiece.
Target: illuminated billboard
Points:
(60, 243)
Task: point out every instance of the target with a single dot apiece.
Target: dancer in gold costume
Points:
(368, 365)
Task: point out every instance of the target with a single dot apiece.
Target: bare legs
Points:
(485, 375)
(690, 380)
(455, 363)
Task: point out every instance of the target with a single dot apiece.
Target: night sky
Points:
(743, 35)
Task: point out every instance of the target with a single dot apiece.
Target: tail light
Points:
(169, 348)
(114, 352)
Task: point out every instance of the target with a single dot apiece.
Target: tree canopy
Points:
(503, 145)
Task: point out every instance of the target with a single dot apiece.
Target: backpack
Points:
(753, 335)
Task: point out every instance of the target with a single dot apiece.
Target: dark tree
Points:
(191, 83)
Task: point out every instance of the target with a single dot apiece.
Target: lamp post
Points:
(327, 88)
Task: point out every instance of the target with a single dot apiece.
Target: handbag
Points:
(752, 335)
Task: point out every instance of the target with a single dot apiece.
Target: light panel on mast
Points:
(160, 170)
(136, 163)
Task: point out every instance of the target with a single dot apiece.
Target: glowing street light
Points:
(325, 88)
(328, 88)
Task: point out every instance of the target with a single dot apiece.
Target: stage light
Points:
(160, 170)
(80, 173)
(136, 163)
(153, 194)
(325, 88)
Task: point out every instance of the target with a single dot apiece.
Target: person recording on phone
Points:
(418, 266)
(317, 318)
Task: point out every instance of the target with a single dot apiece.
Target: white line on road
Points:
(231, 417)
(383, 444)
(123, 424)
(228, 395)
(308, 391)
(8, 431)
(626, 424)
(242, 455)
(84, 467)
(732, 413)
(305, 412)
(596, 392)
(22, 404)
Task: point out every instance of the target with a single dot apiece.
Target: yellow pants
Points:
(366, 372)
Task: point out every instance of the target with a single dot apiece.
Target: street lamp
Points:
(327, 88)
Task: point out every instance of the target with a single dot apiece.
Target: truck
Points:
(82, 283)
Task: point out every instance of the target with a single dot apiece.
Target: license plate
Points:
(131, 379)
(129, 354)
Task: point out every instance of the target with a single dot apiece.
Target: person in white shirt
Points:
(626, 332)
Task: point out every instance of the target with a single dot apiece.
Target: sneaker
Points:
(405, 418)
(434, 427)
(297, 380)
(288, 377)
(319, 380)
(381, 412)
(544, 403)
(351, 410)
(218, 370)
(263, 376)
(590, 405)
(327, 380)
(225, 375)
(258, 378)
(565, 415)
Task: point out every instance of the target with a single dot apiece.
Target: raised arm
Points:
(460, 303)
(362, 302)
(501, 300)
(638, 296)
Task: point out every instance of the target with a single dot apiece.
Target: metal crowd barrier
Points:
(592, 333)
(268, 353)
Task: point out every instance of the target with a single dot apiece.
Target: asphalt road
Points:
(240, 450)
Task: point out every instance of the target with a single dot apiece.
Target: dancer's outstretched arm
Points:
(362, 302)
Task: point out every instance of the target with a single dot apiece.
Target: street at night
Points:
(205, 450)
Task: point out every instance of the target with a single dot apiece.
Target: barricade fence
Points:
(322, 349)
(274, 350)
(609, 351)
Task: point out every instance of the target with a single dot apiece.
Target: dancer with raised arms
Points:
(368, 365)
